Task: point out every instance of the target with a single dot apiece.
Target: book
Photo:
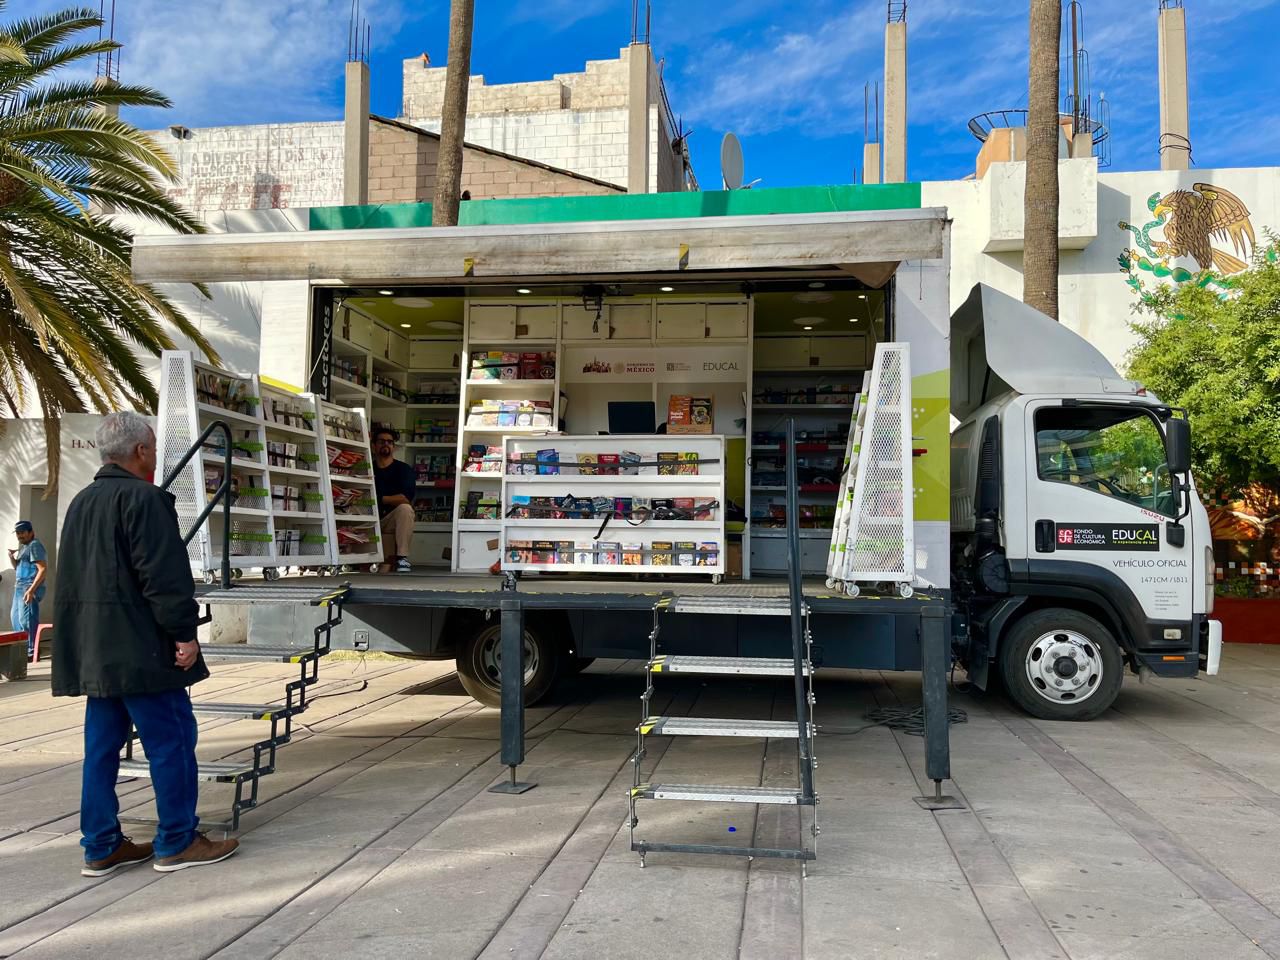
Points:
(622, 508)
(602, 506)
(683, 506)
(632, 554)
(703, 509)
(586, 464)
(685, 551)
(518, 551)
(688, 465)
(609, 464)
(660, 553)
(630, 461)
(529, 462)
(667, 464)
(564, 551)
(708, 554)
(530, 366)
(544, 551)
(548, 462)
(607, 553)
(519, 508)
(584, 551)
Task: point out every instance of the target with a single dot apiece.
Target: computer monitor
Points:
(632, 416)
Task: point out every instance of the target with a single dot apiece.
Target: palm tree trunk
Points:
(453, 119)
(1040, 250)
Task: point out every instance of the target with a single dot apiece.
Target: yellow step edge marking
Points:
(637, 791)
(296, 659)
(648, 725)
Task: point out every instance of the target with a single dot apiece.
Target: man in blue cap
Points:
(31, 561)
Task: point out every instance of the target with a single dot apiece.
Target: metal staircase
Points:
(799, 667)
(245, 774)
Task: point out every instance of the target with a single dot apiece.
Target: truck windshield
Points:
(1115, 451)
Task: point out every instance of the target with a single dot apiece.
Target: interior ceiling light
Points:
(444, 324)
(385, 293)
(810, 297)
(524, 290)
(853, 319)
(862, 296)
(817, 285)
(808, 328)
(808, 322)
(406, 325)
(667, 289)
(417, 303)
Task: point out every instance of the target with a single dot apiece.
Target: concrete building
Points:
(569, 135)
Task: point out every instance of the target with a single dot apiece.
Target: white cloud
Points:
(244, 61)
(558, 15)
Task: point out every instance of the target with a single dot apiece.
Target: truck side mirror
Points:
(1177, 434)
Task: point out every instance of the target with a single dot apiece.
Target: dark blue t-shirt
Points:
(395, 477)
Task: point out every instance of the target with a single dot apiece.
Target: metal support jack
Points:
(935, 656)
(799, 666)
(512, 625)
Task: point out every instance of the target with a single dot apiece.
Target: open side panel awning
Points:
(860, 243)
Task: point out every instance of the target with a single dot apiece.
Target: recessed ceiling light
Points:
(809, 296)
(416, 303)
(808, 328)
(862, 296)
(816, 285)
(524, 290)
(406, 325)
(444, 324)
(808, 322)
(385, 293)
(853, 319)
(667, 289)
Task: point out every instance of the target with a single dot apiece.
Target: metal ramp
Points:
(245, 774)
(799, 667)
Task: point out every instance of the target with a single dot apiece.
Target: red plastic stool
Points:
(35, 649)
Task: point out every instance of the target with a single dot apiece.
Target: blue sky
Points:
(787, 77)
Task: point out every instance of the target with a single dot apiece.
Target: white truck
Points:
(1080, 548)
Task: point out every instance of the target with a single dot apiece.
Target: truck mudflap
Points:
(1212, 648)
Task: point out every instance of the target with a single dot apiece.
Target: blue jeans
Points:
(167, 727)
(26, 616)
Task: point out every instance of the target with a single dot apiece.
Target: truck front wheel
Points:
(480, 664)
(1060, 664)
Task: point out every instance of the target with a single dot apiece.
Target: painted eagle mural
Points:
(1196, 218)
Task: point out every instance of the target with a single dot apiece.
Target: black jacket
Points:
(125, 592)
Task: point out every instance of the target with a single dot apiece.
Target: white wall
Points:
(1094, 297)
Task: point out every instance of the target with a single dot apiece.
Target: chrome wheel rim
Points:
(491, 657)
(1064, 666)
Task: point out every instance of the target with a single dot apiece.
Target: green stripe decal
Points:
(645, 206)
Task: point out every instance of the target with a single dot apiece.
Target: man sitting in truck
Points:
(395, 484)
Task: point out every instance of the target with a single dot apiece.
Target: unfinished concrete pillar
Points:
(1175, 120)
(895, 102)
(871, 163)
(638, 59)
(355, 139)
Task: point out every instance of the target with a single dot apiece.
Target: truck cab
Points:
(1079, 547)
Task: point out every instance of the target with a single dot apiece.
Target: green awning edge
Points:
(647, 206)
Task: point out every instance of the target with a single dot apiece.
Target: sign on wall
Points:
(645, 364)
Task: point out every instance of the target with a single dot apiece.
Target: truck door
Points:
(1100, 496)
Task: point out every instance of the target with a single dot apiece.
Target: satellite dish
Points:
(731, 162)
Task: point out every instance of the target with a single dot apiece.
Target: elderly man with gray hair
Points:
(126, 639)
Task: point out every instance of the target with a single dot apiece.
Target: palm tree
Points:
(1040, 249)
(453, 115)
(73, 322)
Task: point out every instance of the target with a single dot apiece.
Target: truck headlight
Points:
(1209, 579)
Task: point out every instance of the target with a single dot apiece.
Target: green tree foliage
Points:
(1220, 358)
(73, 322)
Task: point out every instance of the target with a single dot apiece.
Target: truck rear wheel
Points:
(480, 664)
(1060, 664)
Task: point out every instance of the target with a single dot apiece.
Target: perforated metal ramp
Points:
(717, 794)
(211, 772)
(247, 651)
(717, 727)
(729, 606)
(248, 711)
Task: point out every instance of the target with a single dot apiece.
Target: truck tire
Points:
(1060, 664)
(480, 664)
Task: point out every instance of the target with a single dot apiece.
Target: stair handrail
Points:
(796, 591)
(221, 495)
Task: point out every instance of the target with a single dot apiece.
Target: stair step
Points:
(730, 606)
(645, 846)
(311, 595)
(710, 727)
(251, 711)
(247, 651)
(741, 666)
(218, 772)
(717, 794)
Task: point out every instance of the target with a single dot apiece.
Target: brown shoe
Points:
(201, 852)
(126, 855)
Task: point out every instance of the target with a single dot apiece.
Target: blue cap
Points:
(23, 526)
